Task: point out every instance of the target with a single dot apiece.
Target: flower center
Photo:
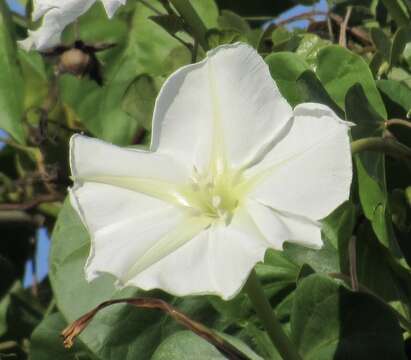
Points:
(216, 196)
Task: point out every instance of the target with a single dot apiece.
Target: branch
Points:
(73, 330)
(356, 31)
(33, 202)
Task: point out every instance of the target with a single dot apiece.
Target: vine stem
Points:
(401, 122)
(386, 145)
(271, 324)
(194, 22)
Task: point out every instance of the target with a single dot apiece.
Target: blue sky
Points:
(15, 6)
(43, 242)
(320, 6)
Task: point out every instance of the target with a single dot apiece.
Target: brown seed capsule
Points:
(74, 61)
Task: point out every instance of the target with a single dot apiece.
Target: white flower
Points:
(57, 15)
(233, 171)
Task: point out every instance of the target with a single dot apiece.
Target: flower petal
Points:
(111, 6)
(227, 104)
(93, 160)
(309, 171)
(123, 225)
(278, 227)
(216, 261)
(57, 15)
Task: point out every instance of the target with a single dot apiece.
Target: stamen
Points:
(216, 201)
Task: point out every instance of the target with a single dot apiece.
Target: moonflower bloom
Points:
(57, 15)
(233, 170)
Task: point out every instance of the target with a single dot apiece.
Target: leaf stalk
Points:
(271, 324)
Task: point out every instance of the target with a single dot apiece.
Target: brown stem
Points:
(398, 122)
(352, 256)
(73, 330)
(304, 16)
(343, 28)
(356, 31)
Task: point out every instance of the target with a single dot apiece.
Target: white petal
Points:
(57, 15)
(155, 174)
(228, 103)
(216, 261)
(111, 6)
(278, 227)
(123, 225)
(309, 171)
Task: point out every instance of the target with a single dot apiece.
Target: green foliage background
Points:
(349, 300)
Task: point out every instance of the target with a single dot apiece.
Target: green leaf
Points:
(35, 78)
(169, 22)
(229, 20)
(139, 100)
(9, 274)
(371, 167)
(361, 112)
(396, 92)
(96, 107)
(285, 68)
(277, 267)
(217, 37)
(4, 304)
(261, 341)
(185, 345)
(280, 36)
(11, 81)
(330, 322)
(339, 69)
(24, 312)
(47, 344)
(382, 42)
(94, 27)
(400, 40)
(312, 90)
(178, 57)
(325, 260)
(208, 12)
(377, 270)
(378, 65)
(339, 225)
(309, 47)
